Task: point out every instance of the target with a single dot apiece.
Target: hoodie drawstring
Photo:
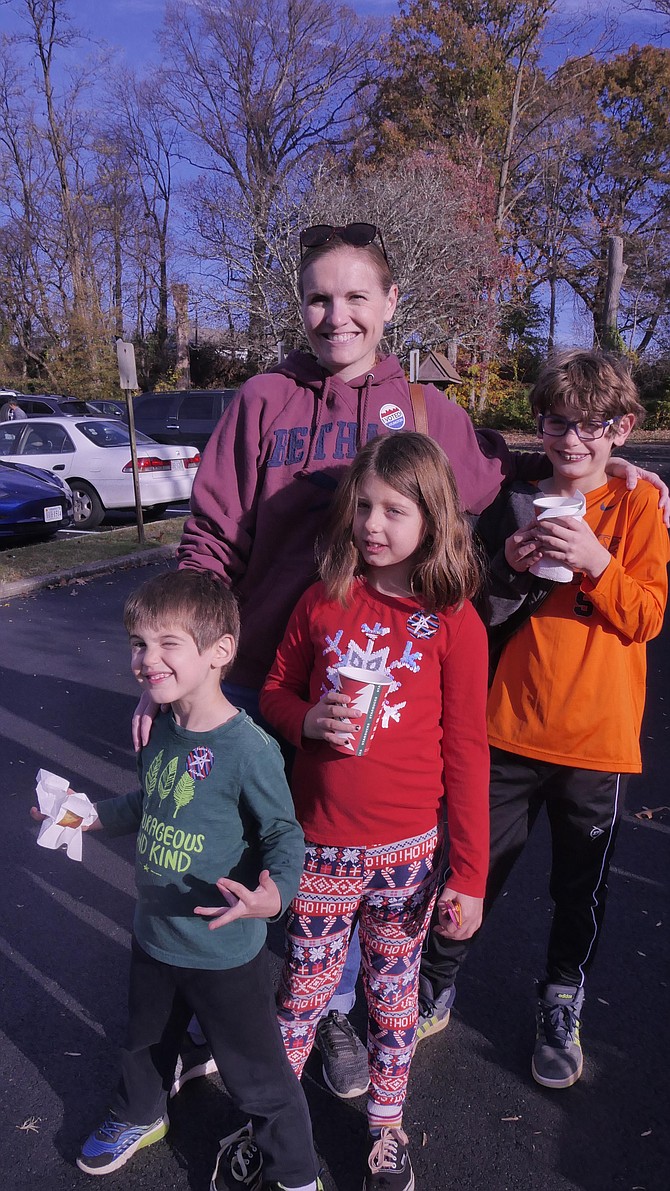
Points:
(321, 406)
(363, 412)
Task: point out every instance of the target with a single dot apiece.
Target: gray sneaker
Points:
(434, 1014)
(557, 1059)
(344, 1058)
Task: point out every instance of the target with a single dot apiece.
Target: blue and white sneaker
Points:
(114, 1142)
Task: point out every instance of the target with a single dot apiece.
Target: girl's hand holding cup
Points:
(330, 719)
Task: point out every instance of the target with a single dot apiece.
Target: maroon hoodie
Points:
(264, 486)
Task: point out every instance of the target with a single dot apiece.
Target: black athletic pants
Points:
(584, 808)
(237, 1012)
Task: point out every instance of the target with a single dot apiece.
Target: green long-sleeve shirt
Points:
(211, 804)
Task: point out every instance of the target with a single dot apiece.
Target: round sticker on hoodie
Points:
(392, 417)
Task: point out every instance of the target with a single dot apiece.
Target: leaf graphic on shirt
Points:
(166, 780)
(151, 776)
(183, 792)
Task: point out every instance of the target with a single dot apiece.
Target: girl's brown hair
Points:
(447, 569)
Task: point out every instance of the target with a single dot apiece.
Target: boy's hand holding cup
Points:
(553, 508)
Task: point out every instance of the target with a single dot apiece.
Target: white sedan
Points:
(93, 456)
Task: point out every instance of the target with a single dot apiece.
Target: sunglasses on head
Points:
(356, 234)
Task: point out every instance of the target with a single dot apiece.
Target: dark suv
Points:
(187, 417)
(50, 403)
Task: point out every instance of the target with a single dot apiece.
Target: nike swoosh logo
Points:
(606, 508)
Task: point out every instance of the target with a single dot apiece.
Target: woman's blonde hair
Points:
(447, 569)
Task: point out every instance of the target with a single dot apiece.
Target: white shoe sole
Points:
(350, 1095)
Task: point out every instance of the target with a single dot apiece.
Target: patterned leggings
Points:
(390, 890)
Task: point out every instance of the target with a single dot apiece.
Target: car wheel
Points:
(88, 508)
(156, 512)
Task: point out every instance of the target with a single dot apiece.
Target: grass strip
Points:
(48, 558)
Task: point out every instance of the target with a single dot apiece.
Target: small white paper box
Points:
(54, 802)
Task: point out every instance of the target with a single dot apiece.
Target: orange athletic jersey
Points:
(570, 684)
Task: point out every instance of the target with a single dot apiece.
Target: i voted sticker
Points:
(392, 417)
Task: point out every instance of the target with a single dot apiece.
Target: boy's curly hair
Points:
(595, 384)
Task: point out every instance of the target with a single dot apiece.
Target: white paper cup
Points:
(367, 690)
(548, 508)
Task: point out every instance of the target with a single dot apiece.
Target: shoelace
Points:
(111, 1128)
(340, 1035)
(559, 1023)
(384, 1154)
(245, 1150)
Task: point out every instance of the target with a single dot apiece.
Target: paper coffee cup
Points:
(548, 508)
(367, 690)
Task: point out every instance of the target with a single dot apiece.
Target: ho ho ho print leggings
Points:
(390, 890)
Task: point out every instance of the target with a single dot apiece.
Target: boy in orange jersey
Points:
(567, 693)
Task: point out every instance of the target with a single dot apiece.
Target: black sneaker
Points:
(344, 1058)
(194, 1061)
(389, 1166)
(114, 1142)
(557, 1059)
(239, 1163)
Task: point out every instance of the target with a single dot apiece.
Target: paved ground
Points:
(476, 1119)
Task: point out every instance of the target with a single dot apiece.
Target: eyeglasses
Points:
(556, 426)
(356, 234)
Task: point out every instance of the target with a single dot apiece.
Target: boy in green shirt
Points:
(212, 798)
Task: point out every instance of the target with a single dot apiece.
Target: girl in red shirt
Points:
(396, 578)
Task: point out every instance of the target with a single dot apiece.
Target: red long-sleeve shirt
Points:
(430, 742)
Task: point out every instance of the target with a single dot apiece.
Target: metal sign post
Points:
(414, 359)
(125, 354)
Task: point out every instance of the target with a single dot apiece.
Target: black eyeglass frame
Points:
(569, 425)
(358, 235)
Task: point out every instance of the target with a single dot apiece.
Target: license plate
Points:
(53, 513)
(177, 464)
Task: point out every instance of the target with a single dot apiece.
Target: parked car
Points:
(188, 416)
(93, 455)
(109, 408)
(33, 503)
(39, 405)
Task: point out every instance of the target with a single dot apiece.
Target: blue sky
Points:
(129, 26)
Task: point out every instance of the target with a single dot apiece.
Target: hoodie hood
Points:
(330, 392)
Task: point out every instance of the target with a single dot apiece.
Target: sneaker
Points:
(557, 1059)
(434, 1015)
(389, 1166)
(345, 1059)
(193, 1062)
(114, 1142)
(239, 1163)
(281, 1187)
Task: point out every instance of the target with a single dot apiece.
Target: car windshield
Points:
(109, 434)
(76, 408)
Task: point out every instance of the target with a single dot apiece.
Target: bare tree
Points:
(437, 220)
(259, 87)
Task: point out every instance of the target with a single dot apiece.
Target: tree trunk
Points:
(552, 314)
(616, 271)
(180, 299)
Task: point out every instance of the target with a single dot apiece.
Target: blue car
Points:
(33, 503)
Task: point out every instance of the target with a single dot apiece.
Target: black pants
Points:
(236, 1009)
(584, 808)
